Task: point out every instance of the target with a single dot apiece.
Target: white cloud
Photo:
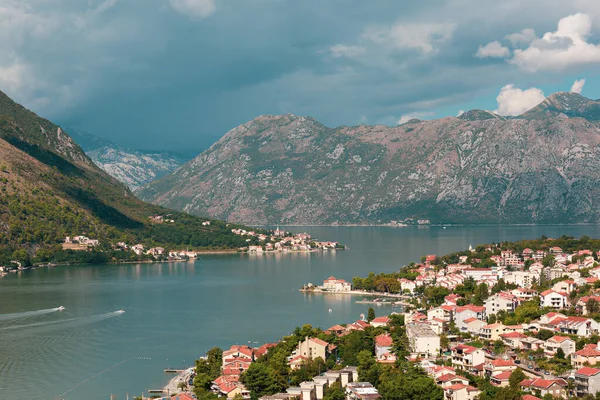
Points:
(578, 86)
(424, 37)
(194, 8)
(559, 50)
(460, 112)
(418, 115)
(493, 49)
(342, 50)
(523, 38)
(14, 77)
(514, 101)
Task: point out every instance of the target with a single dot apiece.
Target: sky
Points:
(178, 74)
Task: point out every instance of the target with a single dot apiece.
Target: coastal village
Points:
(526, 324)
(264, 242)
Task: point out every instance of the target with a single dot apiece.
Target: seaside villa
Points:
(336, 285)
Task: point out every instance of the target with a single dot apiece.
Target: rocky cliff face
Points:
(475, 169)
(134, 168)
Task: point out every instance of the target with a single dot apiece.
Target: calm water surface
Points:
(175, 312)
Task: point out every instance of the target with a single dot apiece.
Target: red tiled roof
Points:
(384, 340)
(559, 339)
(590, 350)
(587, 371)
(465, 348)
(512, 335)
(336, 328)
(381, 320)
(460, 386)
(471, 308)
(448, 377)
(319, 341)
(502, 375)
(530, 397)
(502, 363)
(182, 396)
(546, 383)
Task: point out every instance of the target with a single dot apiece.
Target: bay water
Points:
(175, 312)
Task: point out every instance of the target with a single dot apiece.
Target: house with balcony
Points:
(556, 342)
(580, 326)
(501, 379)
(500, 302)
(587, 381)
(557, 388)
(465, 312)
(556, 300)
(450, 379)
(589, 355)
(566, 286)
(461, 392)
(494, 367)
(513, 339)
(467, 357)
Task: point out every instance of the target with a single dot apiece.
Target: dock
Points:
(173, 371)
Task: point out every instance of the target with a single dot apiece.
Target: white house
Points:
(553, 299)
(336, 285)
(500, 302)
(423, 340)
(559, 342)
(465, 312)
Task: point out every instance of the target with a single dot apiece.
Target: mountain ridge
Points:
(294, 170)
(135, 168)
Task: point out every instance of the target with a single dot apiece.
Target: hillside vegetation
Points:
(50, 189)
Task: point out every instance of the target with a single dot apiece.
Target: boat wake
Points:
(65, 323)
(29, 314)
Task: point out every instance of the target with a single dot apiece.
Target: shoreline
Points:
(357, 293)
(183, 376)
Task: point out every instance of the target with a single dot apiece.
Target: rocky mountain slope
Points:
(478, 168)
(50, 189)
(565, 104)
(135, 168)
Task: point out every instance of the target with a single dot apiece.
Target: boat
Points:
(60, 308)
(120, 311)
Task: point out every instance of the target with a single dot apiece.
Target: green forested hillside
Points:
(50, 189)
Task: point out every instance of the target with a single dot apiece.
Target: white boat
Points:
(60, 308)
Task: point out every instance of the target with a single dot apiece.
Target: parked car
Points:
(537, 369)
(530, 366)
(517, 361)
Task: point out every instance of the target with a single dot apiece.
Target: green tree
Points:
(560, 353)
(334, 392)
(516, 377)
(592, 306)
(480, 294)
(371, 314)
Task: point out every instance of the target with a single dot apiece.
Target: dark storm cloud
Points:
(179, 73)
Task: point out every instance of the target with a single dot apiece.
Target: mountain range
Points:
(540, 167)
(51, 189)
(135, 168)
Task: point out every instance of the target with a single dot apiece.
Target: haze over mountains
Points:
(132, 167)
(540, 167)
